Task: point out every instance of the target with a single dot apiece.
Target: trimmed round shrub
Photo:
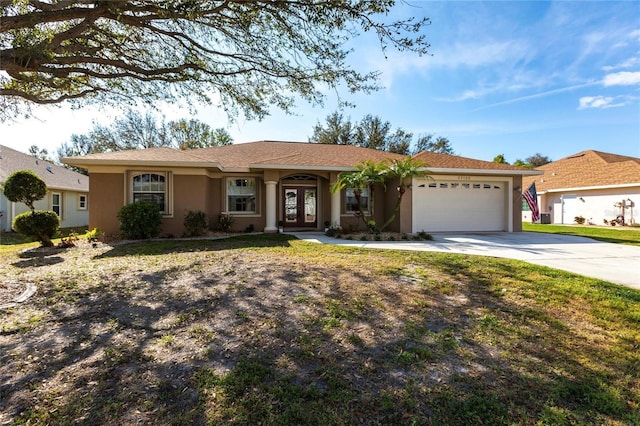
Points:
(195, 224)
(140, 221)
(40, 225)
(24, 186)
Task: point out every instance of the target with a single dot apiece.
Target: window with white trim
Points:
(56, 203)
(241, 195)
(351, 204)
(82, 202)
(151, 188)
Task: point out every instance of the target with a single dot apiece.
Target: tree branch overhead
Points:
(252, 54)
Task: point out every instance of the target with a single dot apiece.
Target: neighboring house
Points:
(67, 191)
(265, 183)
(595, 185)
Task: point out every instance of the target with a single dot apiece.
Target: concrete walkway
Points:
(615, 263)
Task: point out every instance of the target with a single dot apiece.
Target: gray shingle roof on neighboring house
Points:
(56, 177)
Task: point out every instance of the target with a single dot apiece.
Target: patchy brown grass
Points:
(271, 330)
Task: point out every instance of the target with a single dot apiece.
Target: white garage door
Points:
(459, 206)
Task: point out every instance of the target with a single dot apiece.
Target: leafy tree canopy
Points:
(538, 160)
(40, 153)
(26, 187)
(434, 144)
(533, 161)
(373, 132)
(247, 55)
(138, 131)
(500, 159)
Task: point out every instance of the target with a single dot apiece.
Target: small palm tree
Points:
(403, 170)
(354, 181)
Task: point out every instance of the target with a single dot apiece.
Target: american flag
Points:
(532, 199)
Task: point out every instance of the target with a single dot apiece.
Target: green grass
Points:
(272, 330)
(11, 241)
(618, 235)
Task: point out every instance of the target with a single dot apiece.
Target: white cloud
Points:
(623, 78)
(629, 63)
(536, 96)
(599, 102)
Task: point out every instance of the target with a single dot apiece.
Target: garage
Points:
(460, 205)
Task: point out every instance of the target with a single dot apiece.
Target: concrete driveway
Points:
(615, 263)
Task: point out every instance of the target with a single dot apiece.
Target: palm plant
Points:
(355, 181)
(403, 170)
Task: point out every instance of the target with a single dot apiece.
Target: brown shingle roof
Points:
(445, 161)
(149, 155)
(297, 154)
(56, 177)
(587, 169)
(261, 154)
(272, 154)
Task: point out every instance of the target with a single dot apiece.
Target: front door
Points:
(300, 206)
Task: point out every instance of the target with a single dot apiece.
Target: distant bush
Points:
(579, 220)
(195, 224)
(39, 225)
(140, 220)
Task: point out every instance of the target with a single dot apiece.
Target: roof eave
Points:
(68, 188)
(299, 167)
(449, 170)
(140, 163)
(588, 188)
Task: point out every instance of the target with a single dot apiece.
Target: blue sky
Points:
(512, 78)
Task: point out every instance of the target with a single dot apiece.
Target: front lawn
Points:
(273, 330)
(629, 235)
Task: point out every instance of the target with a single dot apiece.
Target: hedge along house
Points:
(67, 190)
(594, 185)
(267, 183)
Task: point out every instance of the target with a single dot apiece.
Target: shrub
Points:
(39, 225)
(424, 236)
(93, 235)
(140, 220)
(24, 186)
(579, 220)
(333, 231)
(225, 222)
(195, 224)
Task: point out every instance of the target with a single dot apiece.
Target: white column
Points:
(335, 208)
(271, 207)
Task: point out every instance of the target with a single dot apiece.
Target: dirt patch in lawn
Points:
(250, 331)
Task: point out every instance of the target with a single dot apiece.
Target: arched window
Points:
(151, 188)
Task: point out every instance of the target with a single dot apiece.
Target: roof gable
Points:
(587, 169)
(56, 177)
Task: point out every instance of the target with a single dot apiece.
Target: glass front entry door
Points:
(300, 205)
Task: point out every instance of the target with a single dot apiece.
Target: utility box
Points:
(545, 218)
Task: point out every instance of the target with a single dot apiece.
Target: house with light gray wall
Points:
(67, 190)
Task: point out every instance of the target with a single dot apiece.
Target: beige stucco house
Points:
(267, 183)
(590, 184)
(67, 190)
